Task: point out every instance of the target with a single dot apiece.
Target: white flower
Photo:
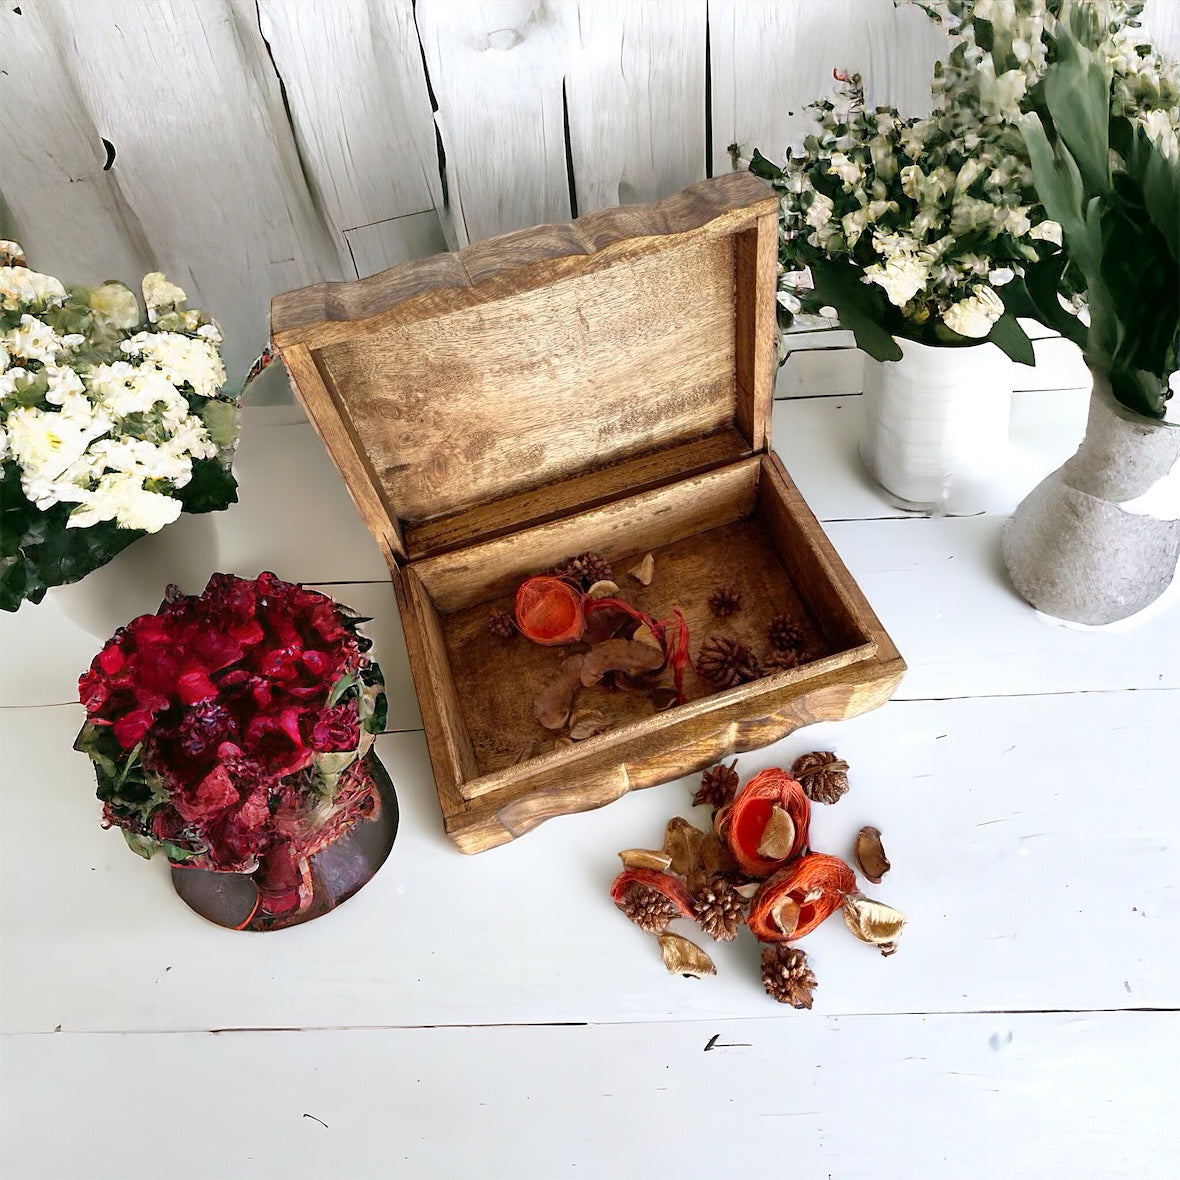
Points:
(1046, 231)
(819, 212)
(789, 300)
(116, 304)
(5, 359)
(45, 444)
(1001, 275)
(854, 224)
(903, 273)
(159, 292)
(124, 499)
(1000, 95)
(3, 443)
(13, 381)
(63, 382)
(21, 288)
(847, 170)
(1161, 128)
(34, 340)
(974, 316)
(182, 359)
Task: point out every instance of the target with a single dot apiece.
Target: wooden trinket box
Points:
(604, 385)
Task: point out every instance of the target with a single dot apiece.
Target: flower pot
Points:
(936, 425)
(296, 883)
(1099, 538)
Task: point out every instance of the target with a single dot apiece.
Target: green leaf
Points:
(1055, 174)
(222, 421)
(176, 854)
(1077, 92)
(1009, 337)
(761, 166)
(347, 681)
(211, 488)
(141, 845)
(856, 306)
(1161, 195)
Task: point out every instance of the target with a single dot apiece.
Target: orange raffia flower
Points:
(767, 823)
(799, 897)
(550, 611)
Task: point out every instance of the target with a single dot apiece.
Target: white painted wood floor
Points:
(494, 1016)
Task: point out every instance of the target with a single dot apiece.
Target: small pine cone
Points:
(501, 624)
(720, 908)
(648, 908)
(718, 786)
(786, 975)
(823, 776)
(777, 661)
(586, 569)
(724, 601)
(725, 662)
(785, 635)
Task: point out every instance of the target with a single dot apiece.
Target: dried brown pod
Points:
(720, 908)
(586, 723)
(554, 701)
(662, 697)
(645, 858)
(870, 854)
(563, 742)
(585, 569)
(724, 600)
(603, 589)
(786, 635)
(644, 571)
(787, 976)
(873, 922)
(620, 655)
(780, 661)
(682, 957)
(650, 898)
(684, 843)
(724, 662)
(718, 786)
(823, 775)
(778, 836)
(501, 624)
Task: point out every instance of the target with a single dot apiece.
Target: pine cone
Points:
(648, 908)
(785, 635)
(724, 601)
(586, 569)
(777, 661)
(501, 624)
(719, 908)
(718, 786)
(823, 776)
(786, 975)
(725, 662)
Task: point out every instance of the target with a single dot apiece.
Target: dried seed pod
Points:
(603, 589)
(718, 786)
(586, 723)
(644, 571)
(662, 697)
(645, 858)
(682, 957)
(873, 921)
(724, 662)
(724, 600)
(684, 843)
(549, 611)
(824, 776)
(742, 824)
(815, 883)
(780, 661)
(787, 976)
(720, 908)
(501, 624)
(585, 569)
(870, 854)
(785, 635)
(651, 899)
(620, 655)
(554, 701)
(562, 743)
(778, 837)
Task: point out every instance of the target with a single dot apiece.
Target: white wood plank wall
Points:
(258, 145)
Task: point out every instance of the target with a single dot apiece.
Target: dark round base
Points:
(231, 899)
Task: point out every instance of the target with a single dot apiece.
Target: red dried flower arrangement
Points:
(229, 730)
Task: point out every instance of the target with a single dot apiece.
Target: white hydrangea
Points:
(974, 316)
(34, 340)
(182, 360)
(21, 288)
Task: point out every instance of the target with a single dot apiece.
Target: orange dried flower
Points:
(549, 610)
(767, 823)
(799, 897)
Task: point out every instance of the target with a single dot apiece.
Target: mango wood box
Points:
(602, 385)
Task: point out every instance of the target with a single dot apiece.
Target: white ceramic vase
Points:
(936, 425)
(1098, 539)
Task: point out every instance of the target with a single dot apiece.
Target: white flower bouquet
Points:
(931, 229)
(112, 422)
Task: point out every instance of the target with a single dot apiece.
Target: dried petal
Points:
(586, 723)
(873, 921)
(785, 915)
(816, 883)
(562, 743)
(620, 655)
(684, 843)
(870, 854)
(603, 589)
(555, 700)
(644, 571)
(644, 634)
(645, 858)
(748, 888)
(682, 957)
(778, 837)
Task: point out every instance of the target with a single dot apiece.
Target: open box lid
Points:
(544, 370)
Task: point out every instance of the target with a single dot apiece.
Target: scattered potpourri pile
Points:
(755, 868)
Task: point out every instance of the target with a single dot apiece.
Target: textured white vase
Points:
(936, 424)
(1099, 538)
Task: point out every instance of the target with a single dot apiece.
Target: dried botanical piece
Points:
(724, 600)
(603, 589)
(644, 571)
(651, 899)
(720, 908)
(786, 635)
(501, 624)
(718, 786)
(823, 775)
(645, 858)
(778, 837)
(586, 723)
(684, 843)
(787, 976)
(585, 569)
(725, 662)
(620, 655)
(870, 854)
(682, 957)
(816, 883)
(549, 610)
(873, 921)
(779, 661)
(742, 824)
(554, 701)
(662, 697)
